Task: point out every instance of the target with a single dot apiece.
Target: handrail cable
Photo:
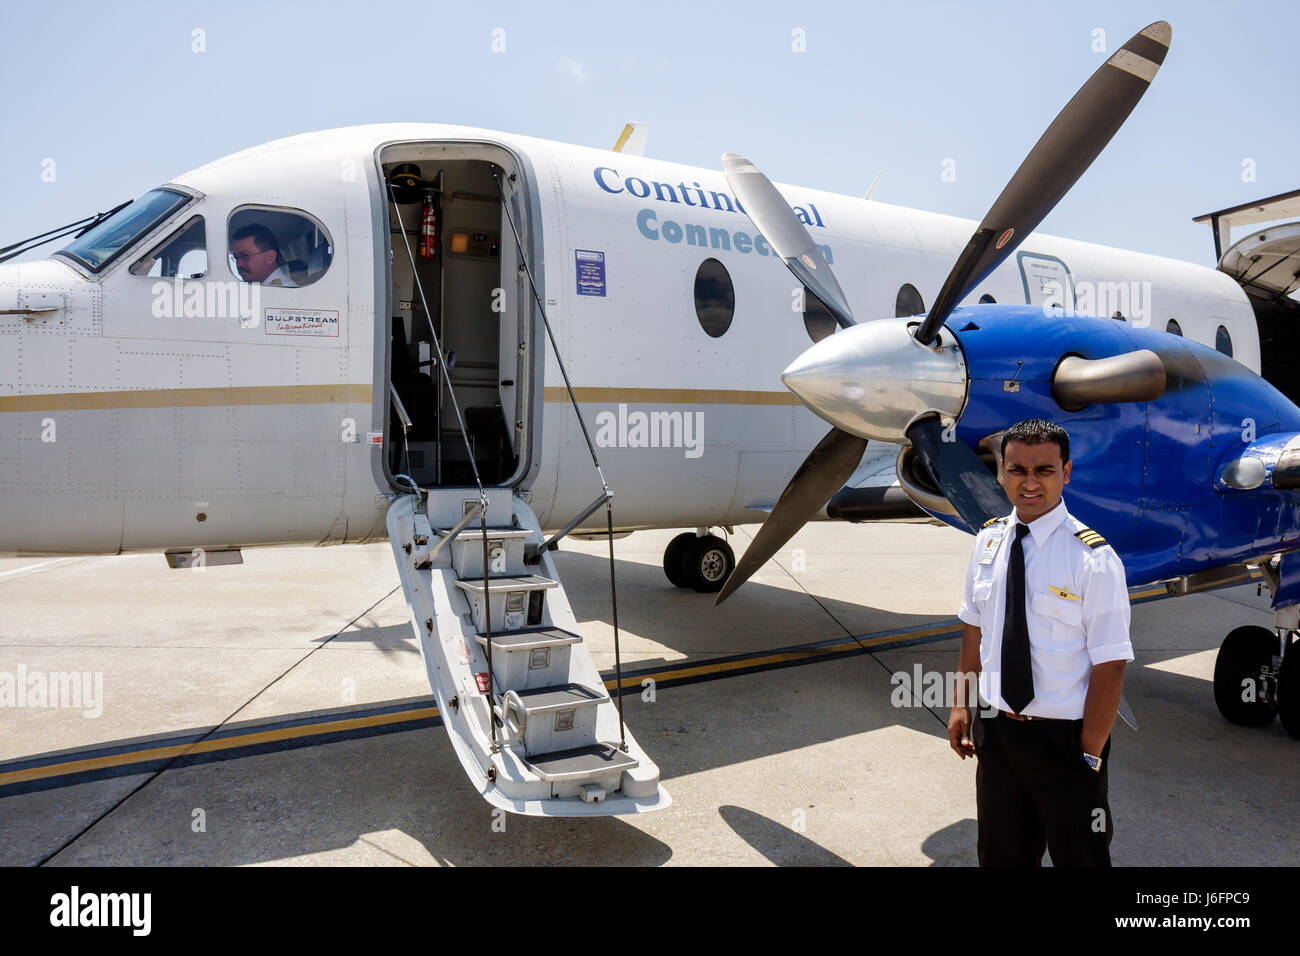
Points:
(469, 451)
(608, 495)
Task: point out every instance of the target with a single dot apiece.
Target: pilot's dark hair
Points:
(263, 237)
(1035, 431)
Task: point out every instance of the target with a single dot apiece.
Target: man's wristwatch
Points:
(1093, 762)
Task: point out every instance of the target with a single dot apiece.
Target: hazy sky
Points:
(117, 95)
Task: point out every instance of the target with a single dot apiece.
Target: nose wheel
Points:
(701, 562)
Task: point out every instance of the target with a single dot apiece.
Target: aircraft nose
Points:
(873, 380)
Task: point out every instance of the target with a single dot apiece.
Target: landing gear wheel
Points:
(675, 559)
(1288, 689)
(1241, 656)
(708, 562)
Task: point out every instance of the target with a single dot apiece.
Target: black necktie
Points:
(1017, 674)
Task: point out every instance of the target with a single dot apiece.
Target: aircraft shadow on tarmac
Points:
(778, 843)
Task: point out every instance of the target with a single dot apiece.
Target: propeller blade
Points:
(1126, 712)
(822, 473)
(960, 474)
(1076, 137)
(776, 221)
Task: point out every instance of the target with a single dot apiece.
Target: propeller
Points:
(962, 474)
(821, 475)
(832, 462)
(897, 394)
(773, 217)
(1076, 137)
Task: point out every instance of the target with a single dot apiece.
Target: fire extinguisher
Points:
(429, 229)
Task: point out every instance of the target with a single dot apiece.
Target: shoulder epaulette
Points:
(990, 522)
(1091, 538)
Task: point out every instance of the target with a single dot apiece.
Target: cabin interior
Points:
(459, 293)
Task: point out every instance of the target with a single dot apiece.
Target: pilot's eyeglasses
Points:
(245, 256)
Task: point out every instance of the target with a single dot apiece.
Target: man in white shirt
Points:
(1046, 617)
(257, 256)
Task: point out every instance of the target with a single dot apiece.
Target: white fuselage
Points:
(140, 414)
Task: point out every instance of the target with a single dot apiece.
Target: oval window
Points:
(908, 302)
(1173, 328)
(1223, 341)
(278, 247)
(715, 297)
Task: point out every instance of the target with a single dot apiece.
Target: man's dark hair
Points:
(263, 237)
(1035, 431)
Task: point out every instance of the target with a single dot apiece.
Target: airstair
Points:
(526, 709)
(532, 722)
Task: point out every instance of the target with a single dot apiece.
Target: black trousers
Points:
(1033, 791)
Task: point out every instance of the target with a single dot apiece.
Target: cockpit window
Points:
(102, 244)
(183, 254)
(277, 247)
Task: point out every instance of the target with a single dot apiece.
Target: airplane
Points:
(373, 332)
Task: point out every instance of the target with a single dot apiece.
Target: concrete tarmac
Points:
(807, 764)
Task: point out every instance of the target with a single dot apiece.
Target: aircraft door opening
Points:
(455, 287)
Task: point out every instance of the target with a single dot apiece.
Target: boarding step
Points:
(531, 657)
(515, 601)
(446, 506)
(562, 716)
(532, 730)
(505, 551)
(592, 762)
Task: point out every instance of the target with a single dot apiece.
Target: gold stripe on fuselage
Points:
(355, 393)
(188, 398)
(671, 396)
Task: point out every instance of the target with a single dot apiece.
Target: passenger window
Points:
(715, 297)
(183, 254)
(817, 319)
(1223, 341)
(277, 247)
(1173, 328)
(908, 302)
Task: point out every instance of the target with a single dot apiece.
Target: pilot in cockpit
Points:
(257, 256)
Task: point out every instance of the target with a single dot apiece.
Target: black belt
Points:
(1024, 717)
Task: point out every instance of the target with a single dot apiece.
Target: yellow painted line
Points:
(311, 730)
(334, 726)
(213, 745)
(717, 667)
(671, 396)
(188, 398)
(622, 139)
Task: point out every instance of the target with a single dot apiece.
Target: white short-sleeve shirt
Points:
(1076, 607)
(280, 277)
